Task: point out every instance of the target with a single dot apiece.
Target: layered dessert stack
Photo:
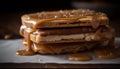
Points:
(65, 31)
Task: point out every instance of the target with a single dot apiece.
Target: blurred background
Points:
(11, 12)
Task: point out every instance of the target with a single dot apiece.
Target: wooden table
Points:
(39, 65)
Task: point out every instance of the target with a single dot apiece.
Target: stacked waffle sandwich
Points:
(65, 31)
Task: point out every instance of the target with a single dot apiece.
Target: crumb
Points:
(8, 36)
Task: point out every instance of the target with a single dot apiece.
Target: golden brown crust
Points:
(58, 48)
(65, 18)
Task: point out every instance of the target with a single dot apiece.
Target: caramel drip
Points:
(24, 42)
(28, 51)
(80, 57)
(105, 53)
(109, 51)
(61, 20)
(95, 23)
(97, 34)
(102, 34)
(29, 41)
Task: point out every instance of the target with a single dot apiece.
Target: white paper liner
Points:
(8, 50)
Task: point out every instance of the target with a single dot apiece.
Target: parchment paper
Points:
(8, 50)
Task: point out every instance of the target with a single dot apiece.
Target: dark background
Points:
(12, 10)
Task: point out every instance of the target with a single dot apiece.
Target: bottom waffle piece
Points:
(58, 48)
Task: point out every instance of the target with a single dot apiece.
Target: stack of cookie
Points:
(64, 31)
